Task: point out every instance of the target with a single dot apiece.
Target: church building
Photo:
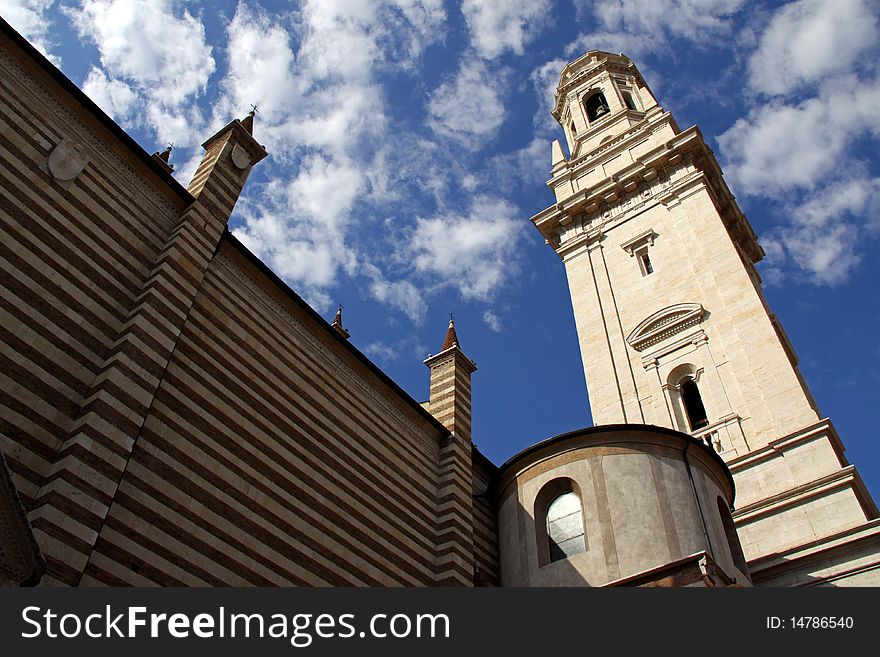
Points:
(173, 414)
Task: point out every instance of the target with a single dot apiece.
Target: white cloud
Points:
(156, 48)
(822, 237)
(351, 38)
(29, 18)
(475, 253)
(380, 351)
(468, 107)
(294, 257)
(492, 321)
(789, 145)
(260, 70)
(299, 225)
(149, 42)
(779, 147)
(115, 97)
(545, 80)
(527, 167)
(325, 190)
(695, 20)
(497, 27)
(637, 27)
(809, 40)
(635, 46)
(323, 118)
(401, 294)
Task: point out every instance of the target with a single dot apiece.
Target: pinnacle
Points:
(451, 337)
(337, 323)
(248, 122)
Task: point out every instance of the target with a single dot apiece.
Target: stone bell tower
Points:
(675, 331)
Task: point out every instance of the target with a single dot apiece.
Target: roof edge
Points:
(612, 428)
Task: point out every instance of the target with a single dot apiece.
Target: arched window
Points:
(739, 559)
(565, 527)
(628, 100)
(596, 106)
(693, 404)
(559, 521)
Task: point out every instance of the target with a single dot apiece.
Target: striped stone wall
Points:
(271, 456)
(79, 259)
(170, 412)
(450, 403)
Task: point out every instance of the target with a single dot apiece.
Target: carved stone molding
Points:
(645, 238)
(665, 323)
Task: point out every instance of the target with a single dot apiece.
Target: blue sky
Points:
(410, 140)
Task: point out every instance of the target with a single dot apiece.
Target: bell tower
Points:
(674, 329)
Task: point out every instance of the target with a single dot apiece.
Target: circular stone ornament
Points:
(240, 157)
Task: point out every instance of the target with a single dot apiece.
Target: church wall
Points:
(271, 456)
(75, 252)
(171, 413)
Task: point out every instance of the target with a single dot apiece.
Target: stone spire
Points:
(451, 371)
(248, 122)
(163, 157)
(337, 324)
(451, 338)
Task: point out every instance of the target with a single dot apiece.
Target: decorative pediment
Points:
(665, 323)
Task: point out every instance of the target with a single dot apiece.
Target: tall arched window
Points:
(559, 521)
(565, 527)
(596, 106)
(693, 404)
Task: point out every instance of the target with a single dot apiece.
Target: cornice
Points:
(648, 124)
(655, 177)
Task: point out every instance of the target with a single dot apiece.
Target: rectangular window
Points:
(645, 262)
(628, 100)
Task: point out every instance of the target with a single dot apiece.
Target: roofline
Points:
(611, 428)
(89, 105)
(331, 332)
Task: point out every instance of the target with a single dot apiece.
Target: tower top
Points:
(451, 350)
(451, 337)
(600, 95)
(248, 122)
